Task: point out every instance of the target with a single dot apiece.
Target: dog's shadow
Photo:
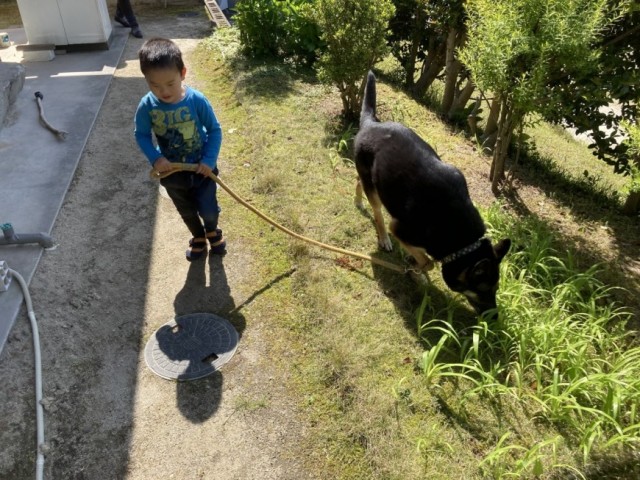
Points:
(407, 291)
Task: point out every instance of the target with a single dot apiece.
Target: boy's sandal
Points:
(197, 248)
(217, 242)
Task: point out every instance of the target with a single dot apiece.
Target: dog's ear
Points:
(501, 248)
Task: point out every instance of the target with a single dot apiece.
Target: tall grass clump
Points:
(558, 347)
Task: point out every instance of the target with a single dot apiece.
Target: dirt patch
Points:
(118, 274)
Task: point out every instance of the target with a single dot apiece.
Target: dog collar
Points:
(460, 253)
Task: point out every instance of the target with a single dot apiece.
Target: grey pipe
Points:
(11, 238)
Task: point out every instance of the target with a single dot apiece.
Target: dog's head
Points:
(476, 274)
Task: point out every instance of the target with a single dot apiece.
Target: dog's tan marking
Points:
(471, 295)
(425, 263)
(358, 199)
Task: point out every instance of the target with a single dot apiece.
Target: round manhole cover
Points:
(191, 347)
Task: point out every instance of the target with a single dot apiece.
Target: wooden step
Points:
(216, 14)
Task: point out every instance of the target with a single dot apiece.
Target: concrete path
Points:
(36, 168)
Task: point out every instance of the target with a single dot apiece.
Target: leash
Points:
(192, 167)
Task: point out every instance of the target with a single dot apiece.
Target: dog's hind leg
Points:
(358, 199)
(374, 200)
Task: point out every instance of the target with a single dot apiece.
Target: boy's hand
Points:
(204, 170)
(163, 165)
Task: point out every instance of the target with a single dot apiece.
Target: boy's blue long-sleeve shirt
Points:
(187, 131)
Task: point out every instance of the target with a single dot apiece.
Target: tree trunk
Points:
(490, 135)
(472, 118)
(348, 95)
(452, 69)
(461, 99)
(494, 114)
(505, 128)
(431, 67)
(410, 67)
(632, 204)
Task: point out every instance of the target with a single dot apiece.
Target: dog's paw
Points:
(358, 203)
(420, 278)
(385, 243)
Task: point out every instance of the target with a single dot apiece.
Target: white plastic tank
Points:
(66, 22)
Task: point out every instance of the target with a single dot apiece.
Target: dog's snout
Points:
(481, 304)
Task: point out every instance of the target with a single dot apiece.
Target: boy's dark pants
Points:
(194, 196)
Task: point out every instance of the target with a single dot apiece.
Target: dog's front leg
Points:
(423, 261)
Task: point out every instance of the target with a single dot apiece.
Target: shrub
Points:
(285, 28)
(355, 33)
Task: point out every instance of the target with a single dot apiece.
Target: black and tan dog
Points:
(432, 215)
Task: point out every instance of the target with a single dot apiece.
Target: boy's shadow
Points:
(199, 400)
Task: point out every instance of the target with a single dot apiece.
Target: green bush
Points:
(270, 28)
(355, 33)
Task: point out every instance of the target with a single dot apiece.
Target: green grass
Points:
(392, 380)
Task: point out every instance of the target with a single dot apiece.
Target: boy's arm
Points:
(143, 134)
(212, 143)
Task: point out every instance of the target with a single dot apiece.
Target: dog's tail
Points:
(368, 112)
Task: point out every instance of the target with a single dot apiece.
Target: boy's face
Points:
(166, 83)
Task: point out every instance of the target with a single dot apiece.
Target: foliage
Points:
(633, 149)
(418, 36)
(559, 347)
(410, 30)
(516, 47)
(425, 38)
(582, 99)
(270, 28)
(354, 32)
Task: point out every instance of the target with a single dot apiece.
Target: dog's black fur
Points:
(428, 200)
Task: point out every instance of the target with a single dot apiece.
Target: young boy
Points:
(187, 131)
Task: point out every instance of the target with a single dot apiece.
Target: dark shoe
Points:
(136, 32)
(197, 248)
(122, 21)
(218, 244)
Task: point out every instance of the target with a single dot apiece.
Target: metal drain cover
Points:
(191, 347)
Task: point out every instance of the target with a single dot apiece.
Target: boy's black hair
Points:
(160, 53)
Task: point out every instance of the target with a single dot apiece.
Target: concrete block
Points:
(11, 82)
(38, 55)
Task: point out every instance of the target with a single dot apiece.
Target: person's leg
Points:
(180, 189)
(125, 11)
(209, 211)
(120, 18)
